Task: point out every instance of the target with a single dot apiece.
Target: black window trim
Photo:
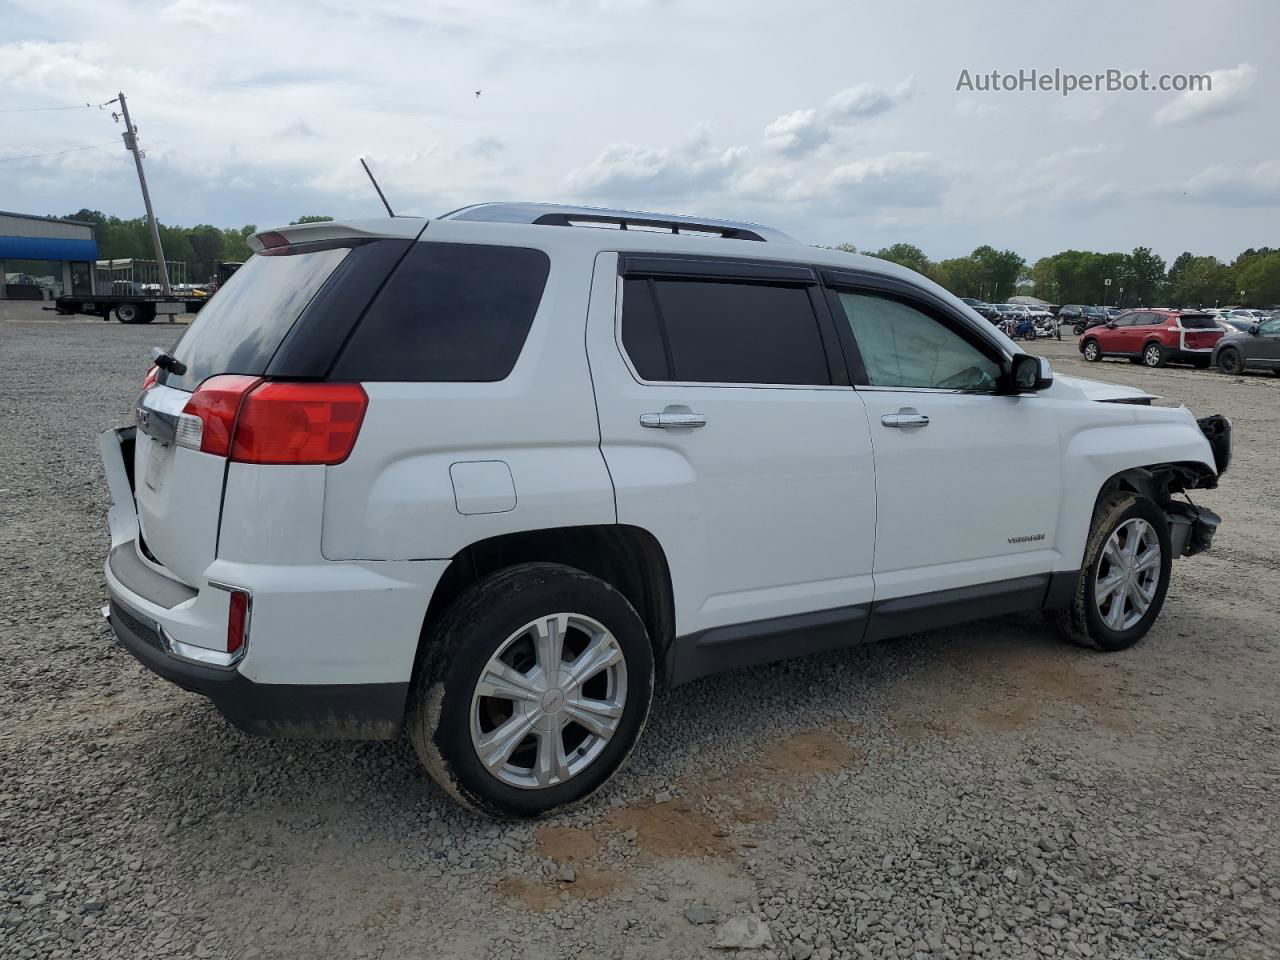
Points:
(730, 270)
(875, 284)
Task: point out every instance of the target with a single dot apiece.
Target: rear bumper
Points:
(352, 711)
(331, 645)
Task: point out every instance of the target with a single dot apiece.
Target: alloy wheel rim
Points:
(1128, 574)
(1153, 356)
(548, 701)
(1091, 351)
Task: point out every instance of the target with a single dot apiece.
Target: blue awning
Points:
(47, 248)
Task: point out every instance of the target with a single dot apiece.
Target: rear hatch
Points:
(284, 314)
(1200, 330)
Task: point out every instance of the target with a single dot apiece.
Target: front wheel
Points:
(1092, 352)
(535, 687)
(1229, 361)
(1122, 585)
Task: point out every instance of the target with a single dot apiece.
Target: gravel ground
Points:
(983, 791)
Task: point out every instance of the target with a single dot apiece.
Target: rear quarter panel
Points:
(394, 498)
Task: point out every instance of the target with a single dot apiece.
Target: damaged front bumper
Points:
(1217, 430)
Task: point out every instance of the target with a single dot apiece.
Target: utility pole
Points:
(131, 144)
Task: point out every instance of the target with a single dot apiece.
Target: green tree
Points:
(1144, 277)
(905, 254)
(310, 218)
(1202, 282)
(1259, 278)
(998, 272)
(961, 275)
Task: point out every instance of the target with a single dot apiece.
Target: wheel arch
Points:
(628, 558)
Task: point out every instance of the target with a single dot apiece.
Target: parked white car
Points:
(493, 476)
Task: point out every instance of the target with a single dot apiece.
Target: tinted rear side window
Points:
(450, 312)
(1197, 321)
(725, 332)
(239, 330)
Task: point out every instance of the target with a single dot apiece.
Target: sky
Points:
(838, 122)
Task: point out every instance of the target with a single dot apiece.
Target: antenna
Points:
(381, 196)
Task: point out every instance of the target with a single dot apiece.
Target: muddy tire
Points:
(534, 687)
(1229, 361)
(1124, 578)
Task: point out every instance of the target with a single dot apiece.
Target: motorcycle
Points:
(1024, 328)
(1047, 326)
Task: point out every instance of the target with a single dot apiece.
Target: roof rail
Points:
(567, 216)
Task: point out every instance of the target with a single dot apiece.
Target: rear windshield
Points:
(240, 329)
(1197, 321)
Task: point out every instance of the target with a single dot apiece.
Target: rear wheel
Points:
(1229, 361)
(1092, 352)
(1125, 576)
(134, 313)
(535, 687)
(1154, 355)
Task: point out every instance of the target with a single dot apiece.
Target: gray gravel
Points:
(984, 791)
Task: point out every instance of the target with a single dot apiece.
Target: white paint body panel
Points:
(789, 500)
(768, 510)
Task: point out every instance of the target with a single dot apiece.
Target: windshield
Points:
(247, 319)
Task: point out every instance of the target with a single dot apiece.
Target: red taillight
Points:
(215, 405)
(238, 620)
(299, 423)
(149, 380)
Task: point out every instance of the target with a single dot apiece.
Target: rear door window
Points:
(712, 331)
(450, 312)
(241, 328)
(1197, 321)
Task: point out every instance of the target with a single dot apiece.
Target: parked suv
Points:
(494, 476)
(1154, 338)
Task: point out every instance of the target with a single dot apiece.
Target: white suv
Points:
(491, 477)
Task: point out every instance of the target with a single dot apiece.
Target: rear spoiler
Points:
(397, 228)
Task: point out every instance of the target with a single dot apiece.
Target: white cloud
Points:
(804, 131)
(1226, 95)
(1252, 186)
(796, 132)
(630, 170)
(901, 179)
(866, 100)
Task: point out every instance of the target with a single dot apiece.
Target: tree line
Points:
(1138, 279)
(201, 247)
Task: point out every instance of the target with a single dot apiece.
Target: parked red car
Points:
(1154, 338)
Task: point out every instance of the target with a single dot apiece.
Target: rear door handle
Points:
(666, 421)
(905, 420)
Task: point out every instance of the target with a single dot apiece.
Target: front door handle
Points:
(905, 420)
(667, 421)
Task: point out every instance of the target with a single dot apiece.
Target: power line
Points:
(78, 106)
(59, 153)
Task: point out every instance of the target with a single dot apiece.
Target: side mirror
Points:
(1026, 373)
(1111, 324)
